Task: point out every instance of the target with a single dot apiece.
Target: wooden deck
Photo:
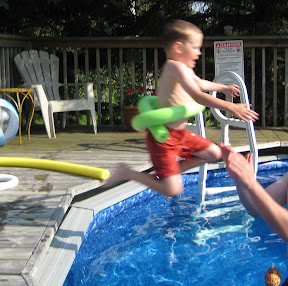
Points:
(31, 212)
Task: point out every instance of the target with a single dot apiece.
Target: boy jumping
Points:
(180, 85)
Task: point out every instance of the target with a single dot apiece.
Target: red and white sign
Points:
(229, 56)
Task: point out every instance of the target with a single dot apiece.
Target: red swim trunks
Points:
(181, 143)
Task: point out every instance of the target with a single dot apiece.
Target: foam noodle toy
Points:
(77, 169)
(154, 118)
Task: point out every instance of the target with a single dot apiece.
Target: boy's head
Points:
(179, 31)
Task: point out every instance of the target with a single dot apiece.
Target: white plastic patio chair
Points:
(40, 70)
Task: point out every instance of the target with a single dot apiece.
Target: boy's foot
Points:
(118, 176)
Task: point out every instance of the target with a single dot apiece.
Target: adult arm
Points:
(242, 171)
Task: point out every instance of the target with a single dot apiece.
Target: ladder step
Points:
(218, 190)
(206, 234)
(221, 211)
(222, 200)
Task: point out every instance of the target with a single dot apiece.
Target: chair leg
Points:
(93, 115)
(46, 119)
(64, 119)
(44, 106)
(51, 121)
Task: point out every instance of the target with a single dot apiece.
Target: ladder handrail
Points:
(225, 123)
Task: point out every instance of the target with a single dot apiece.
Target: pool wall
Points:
(67, 241)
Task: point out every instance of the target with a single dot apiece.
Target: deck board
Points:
(9, 280)
(31, 212)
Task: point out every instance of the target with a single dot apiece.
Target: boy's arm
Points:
(231, 90)
(191, 86)
(239, 110)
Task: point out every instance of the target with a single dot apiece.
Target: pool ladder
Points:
(226, 77)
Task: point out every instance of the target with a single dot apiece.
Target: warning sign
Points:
(228, 56)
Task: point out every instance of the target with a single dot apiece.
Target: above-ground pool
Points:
(147, 240)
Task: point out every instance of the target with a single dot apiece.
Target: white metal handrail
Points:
(225, 124)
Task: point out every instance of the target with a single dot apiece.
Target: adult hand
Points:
(239, 167)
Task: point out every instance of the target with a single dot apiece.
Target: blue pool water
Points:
(147, 240)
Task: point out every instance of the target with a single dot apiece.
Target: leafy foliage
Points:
(139, 17)
(250, 17)
(110, 18)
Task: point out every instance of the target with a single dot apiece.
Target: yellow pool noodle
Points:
(64, 167)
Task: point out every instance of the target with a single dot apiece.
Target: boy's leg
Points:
(169, 186)
(172, 184)
(211, 154)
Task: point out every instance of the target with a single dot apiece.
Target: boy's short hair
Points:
(179, 30)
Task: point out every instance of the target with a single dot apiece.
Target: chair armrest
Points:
(23, 85)
(74, 84)
(40, 98)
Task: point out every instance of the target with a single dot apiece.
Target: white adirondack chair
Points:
(40, 70)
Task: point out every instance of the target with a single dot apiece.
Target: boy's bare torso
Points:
(171, 93)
